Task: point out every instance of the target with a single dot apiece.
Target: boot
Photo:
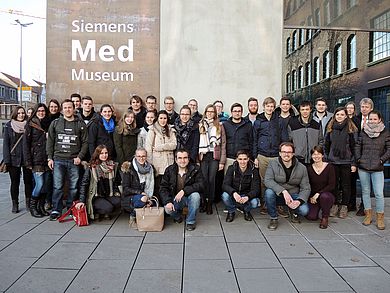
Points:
(202, 206)
(41, 206)
(209, 207)
(324, 223)
(368, 219)
(15, 207)
(28, 202)
(34, 208)
(360, 211)
(380, 221)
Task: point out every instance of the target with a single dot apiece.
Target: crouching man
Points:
(287, 183)
(241, 187)
(181, 186)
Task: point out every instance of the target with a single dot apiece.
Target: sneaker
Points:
(178, 220)
(343, 212)
(282, 211)
(273, 224)
(54, 216)
(247, 216)
(190, 227)
(295, 218)
(334, 211)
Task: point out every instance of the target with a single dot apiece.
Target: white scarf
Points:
(147, 178)
(208, 139)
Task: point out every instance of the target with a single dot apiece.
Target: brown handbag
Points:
(150, 219)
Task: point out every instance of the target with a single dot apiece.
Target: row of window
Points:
(305, 75)
(7, 93)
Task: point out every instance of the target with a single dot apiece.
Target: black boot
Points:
(202, 206)
(27, 202)
(15, 207)
(34, 208)
(209, 206)
(41, 206)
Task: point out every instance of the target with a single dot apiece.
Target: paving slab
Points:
(208, 276)
(172, 233)
(153, 281)
(349, 226)
(371, 279)
(160, 256)
(264, 280)
(313, 274)
(11, 231)
(291, 246)
(205, 248)
(121, 228)
(91, 233)
(102, 276)
(76, 255)
(340, 253)
(312, 232)
(242, 232)
(50, 227)
(4, 243)
(206, 228)
(26, 218)
(11, 268)
(284, 227)
(384, 262)
(118, 248)
(43, 280)
(252, 255)
(372, 245)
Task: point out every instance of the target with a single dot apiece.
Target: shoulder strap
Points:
(16, 144)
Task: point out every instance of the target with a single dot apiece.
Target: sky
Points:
(34, 39)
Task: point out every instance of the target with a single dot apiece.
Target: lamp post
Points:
(22, 25)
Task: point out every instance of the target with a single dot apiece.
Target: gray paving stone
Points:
(30, 246)
(172, 233)
(208, 276)
(371, 280)
(11, 231)
(26, 218)
(205, 248)
(4, 243)
(349, 226)
(384, 262)
(312, 232)
(161, 281)
(252, 255)
(102, 276)
(291, 246)
(206, 228)
(43, 280)
(342, 253)
(118, 248)
(76, 254)
(313, 274)
(50, 227)
(372, 245)
(264, 280)
(284, 227)
(160, 256)
(91, 233)
(242, 232)
(121, 228)
(11, 268)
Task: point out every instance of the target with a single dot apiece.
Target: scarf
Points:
(339, 138)
(373, 130)
(18, 126)
(105, 172)
(183, 131)
(145, 175)
(109, 125)
(208, 138)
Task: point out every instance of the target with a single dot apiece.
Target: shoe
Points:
(178, 220)
(225, 211)
(380, 221)
(368, 218)
(334, 211)
(343, 212)
(247, 216)
(28, 202)
(41, 207)
(48, 207)
(282, 212)
(54, 216)
(34, 209)
(15, 207)
(360, 212)
(324, 223)
(190, 227)
(107, 217)
(202, 206)
(273, 224)
(230, 217)
(263, 210)
(295, 218)
(133, 223)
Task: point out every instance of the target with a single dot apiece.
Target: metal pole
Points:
(20, 69)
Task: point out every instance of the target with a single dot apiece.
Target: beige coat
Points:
(160, 148)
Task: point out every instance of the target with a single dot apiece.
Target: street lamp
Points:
(22, 25)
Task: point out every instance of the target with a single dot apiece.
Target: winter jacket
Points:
(275, 179)
(139, 117)
(372, 153)
(67, 139)
(172, 117)
(192, 143)
(239, 136)
(350, 158)
(245, 184)
(125, 145)
(324, 121)
(98, 135)
(10, 137)
(268, 135)
(304, 137)
(168, 186)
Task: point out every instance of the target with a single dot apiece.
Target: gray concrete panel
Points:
(242, 232)
(91, 233)
(312, 232)
(11, 231)
(205, 248)
(11, 268)
(291, 247)
(121, 228)
(117, 248)
(160, 256)
(49, 227)
(384, 262)
(372, 245)
(152, 281)
(172, 233)
(284, 227)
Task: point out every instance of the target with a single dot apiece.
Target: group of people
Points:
(289, 162)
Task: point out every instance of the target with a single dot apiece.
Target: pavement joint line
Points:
(183, 256)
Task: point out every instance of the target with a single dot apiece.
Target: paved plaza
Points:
(37, 255)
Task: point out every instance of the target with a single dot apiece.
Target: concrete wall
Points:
(221, 49)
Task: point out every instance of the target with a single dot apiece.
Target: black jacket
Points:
(98, 135)
(168, 187)
(245, 184)
(239, 136)
(10, 138)
(34, 146)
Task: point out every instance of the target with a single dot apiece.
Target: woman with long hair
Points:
(150, 118)
(125, 137)
(340, 151)
(35, 156)
(13, 156)
(99, 186)
(322, 182)
(212, 154)
(372, 151)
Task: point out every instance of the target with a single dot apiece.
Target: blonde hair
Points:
(122, 126)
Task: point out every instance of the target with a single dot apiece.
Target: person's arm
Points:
(386, 155)
(118, 143)
(255, 130)
(222, 160)
(197, 185)
(84, 185)
(227, 184)
(92, 137)
(7, 145)
(27, 147)
(165, 188)
(255, 185)
(149, 143)
(51, 136)
(269, 179)
(304, 186)
(84, 141)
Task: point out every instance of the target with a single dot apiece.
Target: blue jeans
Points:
(378, 181)
(192, 202)
(231, 204)
(272, 200)
(64, 169)
(136, 203)
(40, 179)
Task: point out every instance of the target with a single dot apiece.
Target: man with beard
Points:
(253, 108)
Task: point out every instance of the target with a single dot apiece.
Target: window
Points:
(287, 82)
(317, 17)
(301, 40)
(2, 91)
(293, 80)
(294, 41)
(380, 41)
(309, 31)
(316, 71)
(351, 52)
(325, 63)
(336, 8)
(300, 77)
(337, 57)
(307, 73)
(326, 13)
(288, 44)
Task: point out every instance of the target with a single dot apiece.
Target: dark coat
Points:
(10, 137)
(372, 153)
(349, 145)
(34, 147)
(192, 143)
(168, 187)
(245, 184)
(172, 117)
(98, 135)
(239, 136)
(125, 145)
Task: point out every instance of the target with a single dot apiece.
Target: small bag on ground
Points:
(80, 216)
(150, 219)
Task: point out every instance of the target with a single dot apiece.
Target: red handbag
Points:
(80, 216)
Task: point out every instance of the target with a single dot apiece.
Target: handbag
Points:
(150, 219)
(80, 216)
(3, 166)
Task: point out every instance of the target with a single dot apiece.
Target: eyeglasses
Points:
(236, 111)
(140, 156)
(182, 114)
(210, 112)
(286, 153)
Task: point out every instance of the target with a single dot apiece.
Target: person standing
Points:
(136, 105)
(169, 105)
(150, 118)
(321, 114)
(66, 146)
(253, 109)
(195, 115)
(222, 116)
